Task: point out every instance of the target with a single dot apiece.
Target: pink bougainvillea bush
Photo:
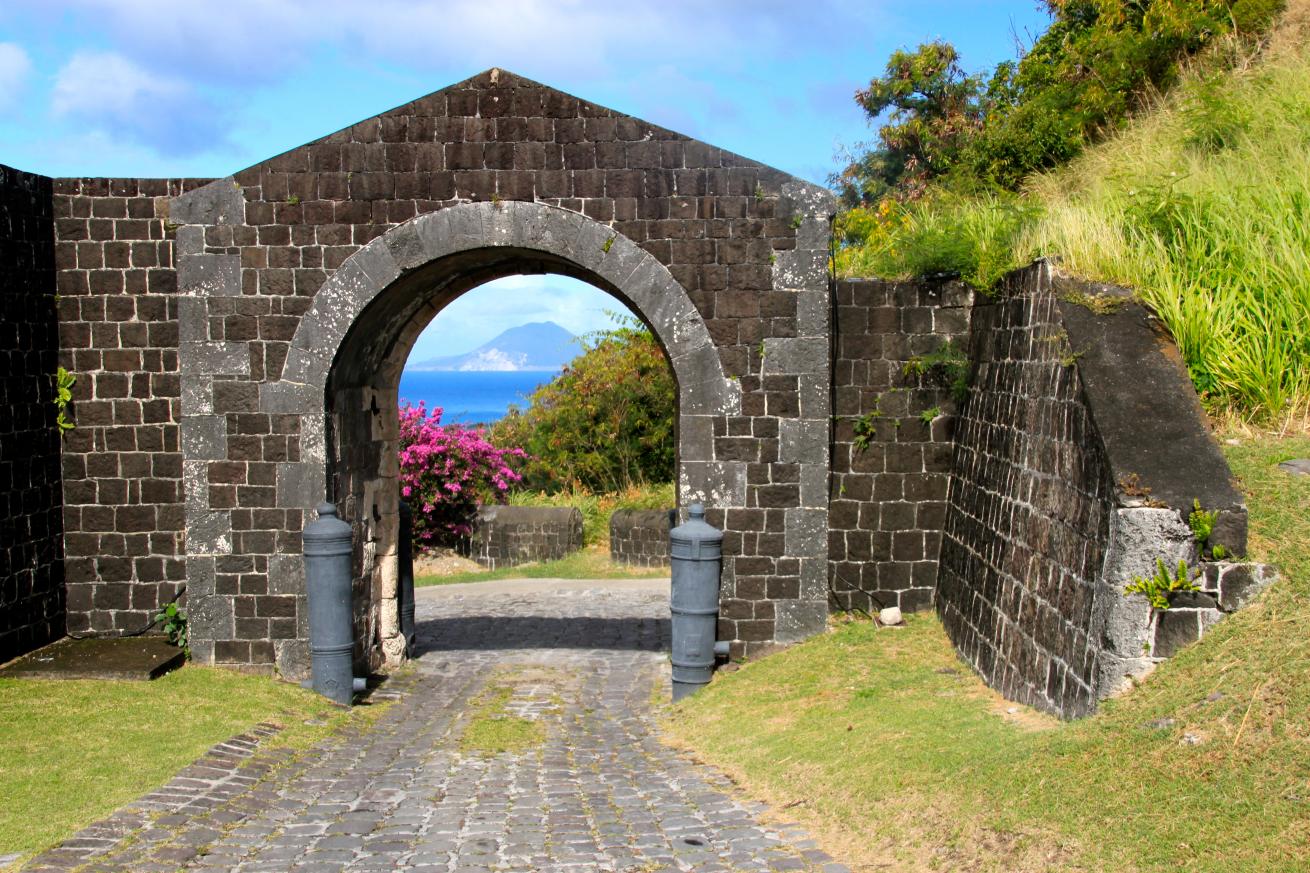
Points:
(446, 471)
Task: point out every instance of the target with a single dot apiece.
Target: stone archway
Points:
(347, 354)
(725, 259)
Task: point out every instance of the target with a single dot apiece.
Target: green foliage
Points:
(1099, 61)
(1202, 207)
(591, 562)
(865, 427)
(608, 243)
(930, 414)
(1157, 588)
(948, 367)
(939, 234)
(175, 627)
(1201, 523)
(1215, 240)
(605, 423)
(64, 382)
(1212, 121)
(935, 108)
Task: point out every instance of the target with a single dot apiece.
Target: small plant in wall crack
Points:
(864, 428)
(1202, 525)
(1157, 588)
(930, 414)
(948, 366)
(64, 381)
(609, 242)
(175, 627)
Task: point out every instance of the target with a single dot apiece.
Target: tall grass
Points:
(1202, 206)
(943, 234)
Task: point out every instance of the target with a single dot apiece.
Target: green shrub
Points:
(1099, 61)
(1157, 588)
(940, 234)
(1202, 207)
(604, 424)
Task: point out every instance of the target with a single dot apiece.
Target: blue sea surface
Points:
(470, 396)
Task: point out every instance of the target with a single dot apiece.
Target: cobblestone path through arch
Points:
(600, 794)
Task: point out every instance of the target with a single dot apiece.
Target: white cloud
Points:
(258, 40)
(103, 83)
(112, 93)
(15, 66)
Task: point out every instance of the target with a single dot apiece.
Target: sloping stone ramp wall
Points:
(1078, 457)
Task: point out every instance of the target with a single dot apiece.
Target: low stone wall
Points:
(1078, 456)
(506, 536)
(640, 537)
(32, 602)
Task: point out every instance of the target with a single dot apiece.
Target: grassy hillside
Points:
(1201, 205)
(884, 744)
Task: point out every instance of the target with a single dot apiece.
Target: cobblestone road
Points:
(600, 794)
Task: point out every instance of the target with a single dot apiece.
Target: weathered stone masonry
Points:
(31, 547)
(507, 536)
(122, 465)
(888, 499)
(1078, 456)
(640, 537)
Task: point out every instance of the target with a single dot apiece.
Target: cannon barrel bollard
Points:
(696, 557)
(405, 584)
(327, 548)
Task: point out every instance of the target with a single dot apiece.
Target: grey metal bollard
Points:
(696, 557)
(327, 547)
(405, 584)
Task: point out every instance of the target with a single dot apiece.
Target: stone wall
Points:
(122, 464)
(31, 569)
(506, 536)
(1077, 457)
(640, 537)
(888, 498)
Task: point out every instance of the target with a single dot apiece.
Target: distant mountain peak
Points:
(537, 346)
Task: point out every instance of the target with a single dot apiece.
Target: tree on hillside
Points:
(1098, 61)
(605, 423)
(935, 109)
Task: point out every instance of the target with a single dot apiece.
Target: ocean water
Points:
(470, 396)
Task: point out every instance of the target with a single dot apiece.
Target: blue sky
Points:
(205, 88)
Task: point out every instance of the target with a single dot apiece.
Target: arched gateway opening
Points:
(356, 338)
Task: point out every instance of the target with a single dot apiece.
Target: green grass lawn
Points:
(73, 751)
(590, 562)
(887, 746)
